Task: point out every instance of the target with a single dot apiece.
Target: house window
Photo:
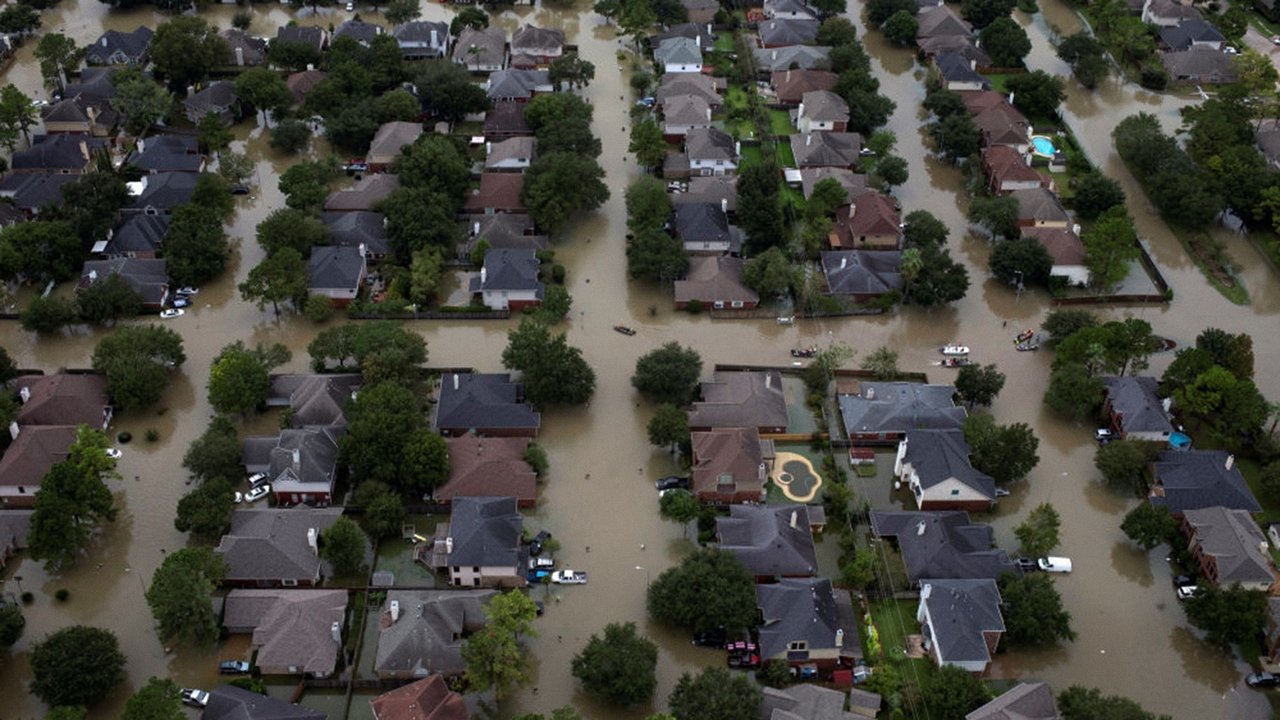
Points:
(457, 581)
(719, 304)
(475, 568)
(736, 303)
(475, 582)
(955, 493)
(798, 645)
(289, 583)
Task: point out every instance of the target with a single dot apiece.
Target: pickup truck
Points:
(569, 577)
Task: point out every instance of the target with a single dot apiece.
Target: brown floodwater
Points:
(599, 500)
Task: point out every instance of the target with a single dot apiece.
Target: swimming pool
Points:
(1043, 146)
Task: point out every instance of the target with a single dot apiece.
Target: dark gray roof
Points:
(784, 31)
(253, 50)
(804, 57)
(960, 611)
(506, 117)
(475, 400)
(166, 190)
(808, 610)
(516, 83)
(335, 267)
(534, 40)
(1193, 479)
(419, 31)
(720, 190)
(358, 30)
(769, 540)
(1235, 541)
(962, 45)
(232, 703)
(485, 532)
(291, 628)
(804, 702)
(149, 278)
(900, 406)
(741, 399)
(94, 84)
(940, 455)
(773, 7)
(508, 270)
(1137, 400)
(854, 184)
(1199, 63)
(167, 153)
(113, 45)
(70, 110)
(218, 97)
(685, 30)
(138, 233)
(427, 635)
(829, 149)
(1024, 701)
(824, 106)
(860, 272)
(364, 194)
(271, 544)
(353, 229)
(709, 144)
(314, 399)
(32, 191)
(304, 460)
(53, 153)
(501, 230)
(1188, 32)
(943, 544)
(678, 51)
(490, 45)
(940, 21)
(702, 222)
(1040, 204)
(1267, 135)
(306, 35)
(954, 67)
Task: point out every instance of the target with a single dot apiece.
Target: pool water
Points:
(1044, 146)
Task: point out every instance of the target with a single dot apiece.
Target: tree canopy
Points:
(351, 345)
(708, 589)
(71, 501)
(1149, 525)
(1227, 615)
(343, 545)
(216, 453)
(714, 694)
(181, 595)
(493, 655)
(195, 245)
(553, 371)
(77, 665)
(559, 185)
(159, 699)
(184, 50)
(1005, 452)
(979, 384)
(1123, 464)
(136, 360)
(1032, 610)
(620, 666)
(1081, 703)
(669, 374)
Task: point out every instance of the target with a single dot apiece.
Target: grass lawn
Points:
(1063, 182)
(751, 156)
(894, 620)
(792, 196)
(786, 158)
(780, 123)
(724, 43)
(735, 97)
(740, 129)
(998, 80)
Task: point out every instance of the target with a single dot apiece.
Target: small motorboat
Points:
(955, 350)
(1024, 336)
(1027, 346)
(624, 330)
(954, 362)
(806, 352)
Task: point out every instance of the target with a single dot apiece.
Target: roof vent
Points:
(395, 611)
(920, 528)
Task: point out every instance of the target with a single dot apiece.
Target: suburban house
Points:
(999, 122)
(359, 229)
(1229, 548)
(1199, 65)
(295, 632)
(700, 32)
(962, 45)
(826, 149)
(63, 399)
(301, 83)
(683, 113)
(31, 193)
(704, 229)
(310, 36)
(801, 57)
(504, 230)
(427, 699)
(269, 548)
(730, 465)
(421, 632)
(488, 467)
(301, 462)
(959, 73)
(806, 623)
(714, 281)
(942, 544)
(313, 399)
(704, 86)
(422, 39)
(814, 702)
(14, 527)
(1168, 13)
(883, 412)
(1192, 32)
(167, 153)
(961, 621)
(1066, 249)
(720, 190)
(941, 21)
(771, 541)
(711, 152)
(499, 192)
(94, 86)
(862, 274)
(243, 49)
(781, 32)
(481, 543)
(511, 155)
(822, 110)
(934, 464)
(389, 141)
(120, 48)
(790, 9)
(1040, 207)
(148, 277)
(1024, 701)
(509, 280)
(358, 30)
(160, 193)
(533, 46)
(751, 399)
(80, 115)
(34, 450)
(854, 184)
(336, 273)
(1193, 479)
(367, 192)
(517, 84)
(61, 154)
(228, 702)
(483, 404)
(481, 51)
(1008, 170)
(1136, 412)
(219, 98)
(679, 55)
(790, 86)
(701, 12)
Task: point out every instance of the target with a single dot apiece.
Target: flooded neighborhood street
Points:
(598, 500)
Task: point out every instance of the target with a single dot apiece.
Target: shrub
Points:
(124, 437)
(152, 434)
(62, 595)
(28, 597)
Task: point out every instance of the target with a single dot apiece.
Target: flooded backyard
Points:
(598, 498)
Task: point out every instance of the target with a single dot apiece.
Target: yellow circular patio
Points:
(795, 477)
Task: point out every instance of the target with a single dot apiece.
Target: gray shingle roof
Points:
(961, 610)
(335, 267)
(1025, 701)
(292, 628)
(489, 45)
(139, 233)
(678, 51)
(305, 460)
(940, 21)
(1189, 32)
(862, 272)
(770, 540)
(516, 83)
(364, 194)
(714, 279)
(508, 270)
(358, 30)
(420, 31)
(741, 399)
(482, 401)
(353, 229)
(676, 84)
(900, 406)
(784, 31)
(1137, 400)
(427, 635)
(506, 117)
(517, 148)
(804, 702)
(313, 399)
(95, 84)
(943, 544)
(940, 455)
(702, 222)
(686, 30)
(167, 153)
(218, 97)
(272, 545)
(854, 184)
(52, 153)
(824, 106)
(243, 46)
(149, 278)
(1039, 204)
(33, 191)
(1199, 63)
(1235, 541)
(485, 532)
(804, 57)
(686, 110)
(113, 44)
(954, 67)
(806, 610)
(306, 35)
(166, 190)
(501, 230)
(232, 703)
(533, 40)
(826, 149)
(391, 139)
(1193, 479)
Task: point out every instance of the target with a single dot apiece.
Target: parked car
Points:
(194, 697)
(1188, 591)
(171, 313)
(233, 667)
(541, 563)
(1026, 564)
(257, 493)
(1104, 435)
(535, 546)
(188, 290)
(711, 638)
(745, 662)
(1262, 679)
(114, 453)
(536, 576)
(240, 189)
(1055, 564)
(180, 301)
(355, 167)
(671, 482)
(1002, 492)
(569, 577)
(257, 479)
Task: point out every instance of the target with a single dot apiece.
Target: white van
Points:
(1055, 564)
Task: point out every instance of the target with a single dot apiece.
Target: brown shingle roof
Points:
(427, 699)
(732, 452)
(1064, 246)
(489, 467)
(791, 85)
(714, 278)
(500, 191)
(62, 399)
(1008, 165)
(36, 449)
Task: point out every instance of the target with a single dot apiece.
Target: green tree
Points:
(447, 90)
(1061, 324)
(107, 300)
(351, 345)
(291, 228)
(1087, 57)
(920, 229)
(19, 19)
(1038, 534)
(536, 457)
(12, 624)
(1036, 93)
(1228, 615)
(159, 699)
(647, 144)
(206, 511)
(828, 194)
(136, 360)
(559, 185)
(238, 380)
(951, 692)
(901, 28)
(1149, 525)
(984, 12)
(265, 90)
(399, 12)
(493, 655)
(771, 274)
(1074, 392)
(435, 163)
(892, 171)
(1123, 464)
(77, 665)
(648, 204)
(57, 53)
(618, 667)
(859, 571)
(656, 256)
(1081, 703)
(669, 426)
(882, 362)
(290, 136)
(383, 420)
(679, 506)
(305, 184)
(956, 137)
(184, 50)
(384, 517)
(195, 246)
(714, 694)
(216, 453)
(708, 589)
(1095, 194)
(1005, 452)
(397, 105)
(999, 215)
(572, 70)
(1022, 260)
(424, 275)
(1006, 42)
(879, 11)
(759, 209)
(43, 250)
(1032, 609)
(469, 17)
(72, 501)
(181, 595)
(142, 101)
(426, 461)
(17, 114)
(1109, 246)
(280, 277)
(979, 384)
(669, 374)
(553, 371)
(1234, 352)
(418, 218)
(343, 545)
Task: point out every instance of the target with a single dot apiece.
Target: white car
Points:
(1188, 591)
(188, 291)
(114, 453)
(1055, 564)
(257, 479)
(569, 577)
(257, 493)
(194, 697)
(172, 313)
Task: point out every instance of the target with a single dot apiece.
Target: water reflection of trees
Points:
(1204, 663)
(1133, 563)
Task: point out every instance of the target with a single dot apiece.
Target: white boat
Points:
(569, 577)
(955, 349)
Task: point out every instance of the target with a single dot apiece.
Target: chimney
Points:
(808, 139)
(920, 528)
(191, 90)
(240, 55)
(926, 591)
(448, 545)
(871, 393)
(1010, 98)
(475, 228)
(93, 276)
(395, 611)
(103, 41)
(760, 472)
(312, 537)
(310, 67)
(1075, 229)
(839, 637)
(724, 205)
(435, 42)
(844, 261)
(973, 64)
(774, 56)
(297, 458)
(421, 610)
(25, 394)
(800, 110)
(1026, 157)
(336, 630)
(488, 148)
(794, 514)
(1231, 461)
(737, 148)
(14, 430)
(364, 250)
(697, 40)
(768, 380)
(455, 381)
(708, 114)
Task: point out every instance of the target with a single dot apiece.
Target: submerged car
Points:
(1105, 435)
(172, 313)
(569, 577)
(194, 697)
(711, 638)
(535, 546)
(672, 482)
(233, 667)
(114, 453)
(1055, 564)
(1262, 679)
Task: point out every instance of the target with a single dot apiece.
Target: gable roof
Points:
(962, 45)
(804, 702)
(1193, 479)
(955, 67)
(785, 31)
(1236, 542)
(485, 532)
(1064, 246)
(1009, 165)
(216, 97)
(62, 399)
(1199, 63)
(30, 456)
(1039, 204)
(508, 270)
(941, 455)
(899, 407)
(868, 213)
(165, 190)
(422, 31)
(488, 467)
(773, 7)
(272, 544)
(55, 152)
(824, 106)
(33, 191)
(862, 272)
(500, 230)
(804, 57)
(229, 702)
(70, 110)
(133, 46)
(487, 47)
(243, 46)
(826, 149)
(702, 222)
(533, 40)
(359, 30)
(516, 148)
(769, 540)
(741, 399)
(676, 84)
(364, 194)
(960, 611)
(481, 400)
(806, 610)
(301, 83)
(95, 84)
(148, 277)
(716, 278)
(940, 21)
(362, 227)
(791, 85)
(304, 34)
(854, 184)
(304, 460)
(943, 544)
(692, 31)
(506, 117)
(737, 453)
(291, 628)
(708, 143)
(719, 190)
(390, 139)
(313, 399)
(427, 632)
(167, 153)
(1189, 32)
(678, 51)
(498, 190)
(1137, 400)
(426, 699)
(1024, 701)
(335, 268)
